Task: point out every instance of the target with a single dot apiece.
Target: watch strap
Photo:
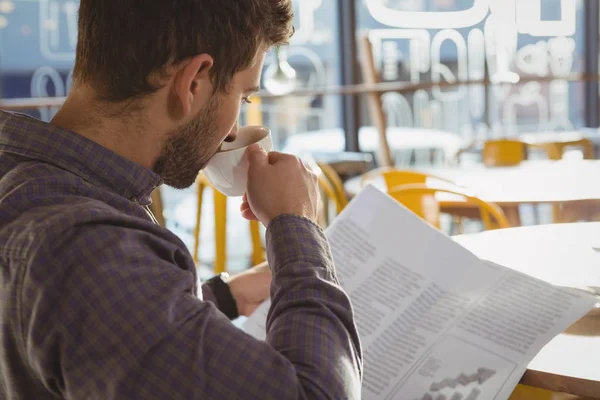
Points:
(225, 301)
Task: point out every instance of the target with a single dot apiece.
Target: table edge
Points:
(561, 383)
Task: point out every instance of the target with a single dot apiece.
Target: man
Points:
(97, 301)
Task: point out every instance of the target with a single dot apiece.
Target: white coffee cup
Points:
(227, 171)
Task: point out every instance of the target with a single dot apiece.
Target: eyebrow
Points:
(252, 90)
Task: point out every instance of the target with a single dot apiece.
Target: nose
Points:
(232, 134)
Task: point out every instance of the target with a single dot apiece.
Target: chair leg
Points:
(457, 223)
(513, 215)
(556, 214)
(201, 188)
(220, 201)
(258, 255)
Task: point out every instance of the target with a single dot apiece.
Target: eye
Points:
(246, 100)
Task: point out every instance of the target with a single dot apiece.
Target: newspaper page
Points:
(436, 322)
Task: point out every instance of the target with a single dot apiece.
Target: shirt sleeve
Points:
(118, 318)
(207, 294)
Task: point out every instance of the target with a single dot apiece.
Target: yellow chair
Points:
(506, 153)
(220, 212)
(498, 152)
(329, 193)
(336, 183)
(396, 177)
(556, 150)
(568, 212)
(422, 200)
(503, 152)
(523, 392)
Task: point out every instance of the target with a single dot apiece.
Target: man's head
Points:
(191, 62)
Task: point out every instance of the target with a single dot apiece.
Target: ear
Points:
(193, 85)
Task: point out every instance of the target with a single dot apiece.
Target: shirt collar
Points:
(26, 136)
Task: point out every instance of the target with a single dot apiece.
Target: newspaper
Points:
(436, 322)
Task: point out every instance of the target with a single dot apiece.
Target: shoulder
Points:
(91, 229)
(98, 258)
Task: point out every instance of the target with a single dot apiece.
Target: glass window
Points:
(313, 54)
(421, 41)
(37, 51)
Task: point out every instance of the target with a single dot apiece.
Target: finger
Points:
(249, 215)
(273, 157)
(276, 157)
(245, 207)
(256, 155)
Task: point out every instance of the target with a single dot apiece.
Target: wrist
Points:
(224, 298)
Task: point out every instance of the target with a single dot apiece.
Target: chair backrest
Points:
(336, 183)
(395, 177)
(422, 200)
(556, 150)
(327, 190)
(503, 152)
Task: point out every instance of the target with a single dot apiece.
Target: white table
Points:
(560, 137)
(562, 254)
(399, 140)
(531, 182)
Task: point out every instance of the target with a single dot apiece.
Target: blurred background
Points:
(514, 47)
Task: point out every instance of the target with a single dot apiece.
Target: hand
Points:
(278, 184)
(250, 288)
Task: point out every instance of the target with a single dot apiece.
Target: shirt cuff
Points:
(293, 238)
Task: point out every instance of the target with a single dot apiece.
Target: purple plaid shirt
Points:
(99, 302)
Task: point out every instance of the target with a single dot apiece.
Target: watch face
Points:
(225, 277)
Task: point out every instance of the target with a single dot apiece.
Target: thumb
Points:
(256, 155)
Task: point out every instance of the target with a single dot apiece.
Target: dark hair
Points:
(123, 44)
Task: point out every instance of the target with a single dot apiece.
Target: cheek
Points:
(230, 113)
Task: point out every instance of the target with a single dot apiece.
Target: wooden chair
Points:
(506, 153)
(220, 213)
(503, 152)
(523, 392)
(337, 185)
(396, 177)
(422, 200)
(556, 150)
(330, 189)
(582, 210)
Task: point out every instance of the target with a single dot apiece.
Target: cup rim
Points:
(266, 130)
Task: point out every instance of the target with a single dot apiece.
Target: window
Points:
(37, 52)
(313, 54)
(422, 41)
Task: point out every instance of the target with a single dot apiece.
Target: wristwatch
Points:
(225, 301)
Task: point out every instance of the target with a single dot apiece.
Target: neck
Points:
(129, 135)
